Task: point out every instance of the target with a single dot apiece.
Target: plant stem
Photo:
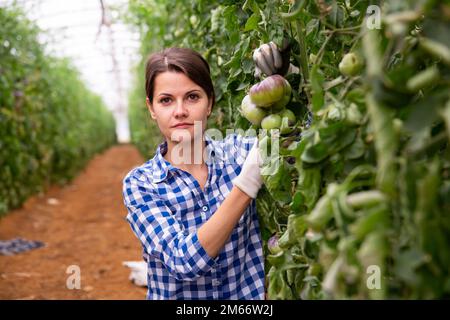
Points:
(322, 48)
(301, 41)
(333, 83)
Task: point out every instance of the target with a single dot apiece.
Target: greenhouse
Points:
(224, 150)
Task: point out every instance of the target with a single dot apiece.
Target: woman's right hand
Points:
(250, 180)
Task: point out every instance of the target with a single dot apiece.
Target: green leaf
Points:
(407, 263)
(296, 227)
(298, 200)
(309, 183)
(312, 26)
(278, 183)
(315, 153)
(250, 5)
(252, 22)
(336, 16)
(242, 86)
(247, 66)
(355, 150)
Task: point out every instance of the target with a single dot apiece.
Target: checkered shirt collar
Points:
(162, 167)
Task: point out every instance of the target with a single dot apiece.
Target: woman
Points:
(196, 220)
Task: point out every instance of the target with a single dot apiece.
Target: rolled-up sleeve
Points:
(160, 234)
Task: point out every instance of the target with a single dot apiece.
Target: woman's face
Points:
(178, 100)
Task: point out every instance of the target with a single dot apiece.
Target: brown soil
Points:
(85, 227)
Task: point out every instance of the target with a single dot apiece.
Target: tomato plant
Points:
(50, 123)
(363, 189)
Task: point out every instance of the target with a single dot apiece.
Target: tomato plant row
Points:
(50, 123)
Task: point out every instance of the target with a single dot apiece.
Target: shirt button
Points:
(216, 282)
(205, 208)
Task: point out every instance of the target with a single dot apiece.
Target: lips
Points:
(182, 125)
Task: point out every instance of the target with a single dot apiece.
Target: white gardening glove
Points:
(269, 60)
(250, 180)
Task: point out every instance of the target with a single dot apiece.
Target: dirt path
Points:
(85, 227)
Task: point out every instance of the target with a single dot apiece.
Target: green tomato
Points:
(273, 245)
(276, 107)
(287, 121)
(334, 113)
(251, 112)
(280, 104)
(350, 65)
(354, 116)
(193, 20)
(286, 113)
(178, 33)
(272, 121)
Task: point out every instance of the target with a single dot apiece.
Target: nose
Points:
(180, 110)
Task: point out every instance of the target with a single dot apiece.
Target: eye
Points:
(193, 97)
(165, 100)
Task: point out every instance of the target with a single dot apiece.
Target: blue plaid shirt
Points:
(166, 206)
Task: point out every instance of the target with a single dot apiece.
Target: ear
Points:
(150, 108)
(209, 108)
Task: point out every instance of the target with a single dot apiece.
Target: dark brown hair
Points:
(184, 60)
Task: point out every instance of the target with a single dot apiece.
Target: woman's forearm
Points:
(214, 233)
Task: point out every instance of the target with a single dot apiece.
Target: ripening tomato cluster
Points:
(265, 104)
